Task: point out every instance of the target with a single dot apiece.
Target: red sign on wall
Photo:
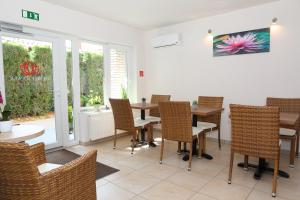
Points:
(141, 73)
(29, 68)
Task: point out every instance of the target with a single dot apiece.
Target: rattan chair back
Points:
(176, 121)
(156, 99)
(214, 102)
(291, 105)
(255, 131)
(18, 172)
(122, 113)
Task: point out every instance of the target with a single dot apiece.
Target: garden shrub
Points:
(33, 95)
(28, 95)
(91, 78)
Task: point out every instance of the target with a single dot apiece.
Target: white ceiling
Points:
(148, 14)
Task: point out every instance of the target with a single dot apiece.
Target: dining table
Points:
(287, 120)
(200, 111)
(143, 107)
(21, 133)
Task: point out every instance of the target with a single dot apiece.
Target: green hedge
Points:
(33, 96)
(91, 78)
(28, 96)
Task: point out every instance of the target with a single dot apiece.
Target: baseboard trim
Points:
(103, 139)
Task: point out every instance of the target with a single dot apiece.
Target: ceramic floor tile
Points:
(112, 192)
(136, 162)
(206, 167)
(167, 191)
(124, 171)
(176, 161)
(239, 176)
(221, 190)
(201, 197)
(159, 171)
(138, 198)
(101, 182)
(285, 187)
(189, 180)
(136, 182)
(259, 195)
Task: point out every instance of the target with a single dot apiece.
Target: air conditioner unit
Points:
(166, 40)
(12, 28)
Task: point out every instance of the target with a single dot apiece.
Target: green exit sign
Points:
(30, 15)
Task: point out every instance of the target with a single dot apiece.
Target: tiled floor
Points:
(141, 177)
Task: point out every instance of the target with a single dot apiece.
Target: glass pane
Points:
(70, 88)
(28, 78)
(118, 76)
(91, 74)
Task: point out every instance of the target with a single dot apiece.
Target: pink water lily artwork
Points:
(254, 41)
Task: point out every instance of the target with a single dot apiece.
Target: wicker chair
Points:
(176, 121)
(154, 115)
(255, 132)
(288, 105)
(211, 122)
(21, 180)
(123, 119)
(156, 99)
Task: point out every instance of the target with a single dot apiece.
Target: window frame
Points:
(128, 52)
(104, 46)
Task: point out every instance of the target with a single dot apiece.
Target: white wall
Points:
(62, 20)
(190, 70)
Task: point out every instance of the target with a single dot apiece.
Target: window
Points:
(69, 63)
(91, 74)
(118, 72)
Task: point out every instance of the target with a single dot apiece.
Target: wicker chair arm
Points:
(75, 180)
(38, 152)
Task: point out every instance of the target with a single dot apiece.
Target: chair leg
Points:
(179, 148)
(204, 142)
(297, 143)
(219, 138)
(292, 152)
(230, 167)
(133, 142)
(150, 133)
(190, 157)
(276, 167)
(200, 146)
(115, 139)
(246, 159)
(162, 150)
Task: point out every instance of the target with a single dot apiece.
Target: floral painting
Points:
(254, 41)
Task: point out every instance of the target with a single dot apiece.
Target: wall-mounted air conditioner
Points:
(12, 28)
(166, 40)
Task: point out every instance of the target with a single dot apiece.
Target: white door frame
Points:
(58, 88)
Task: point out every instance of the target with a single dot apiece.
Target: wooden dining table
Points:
(287, 120)
(143, 107)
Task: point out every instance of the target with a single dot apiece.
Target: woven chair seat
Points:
(197, 130)
(287, 132)
(141, 123)
(46, 167)
(206, 125)
(153, 119)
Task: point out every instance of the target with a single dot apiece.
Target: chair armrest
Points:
(75, 180)
(38, 152)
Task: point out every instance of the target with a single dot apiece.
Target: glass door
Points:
(30, 84)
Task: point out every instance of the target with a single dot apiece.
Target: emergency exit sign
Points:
(30, 15)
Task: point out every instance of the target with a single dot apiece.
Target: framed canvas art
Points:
(246, 42)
